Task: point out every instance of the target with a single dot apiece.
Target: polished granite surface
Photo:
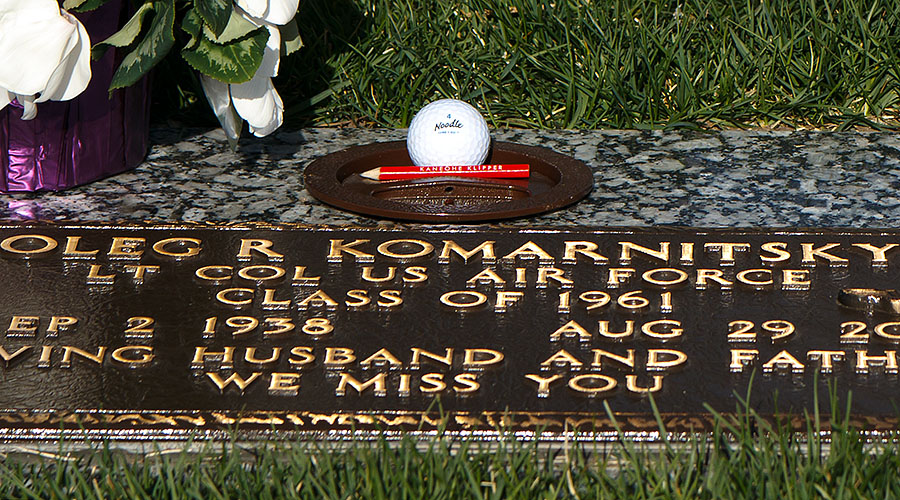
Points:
(675, 178)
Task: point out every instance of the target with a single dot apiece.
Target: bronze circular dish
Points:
(556, 180)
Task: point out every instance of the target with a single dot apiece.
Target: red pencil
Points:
(506, 170)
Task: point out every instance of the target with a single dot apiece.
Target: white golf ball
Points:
(448, 132)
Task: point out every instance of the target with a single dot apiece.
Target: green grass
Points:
(596, 63)
(747, 456)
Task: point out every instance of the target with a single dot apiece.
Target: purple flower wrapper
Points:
(75, 142)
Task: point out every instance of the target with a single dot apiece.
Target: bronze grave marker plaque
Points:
(167, 331)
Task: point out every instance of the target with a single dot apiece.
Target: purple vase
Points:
(70, 143)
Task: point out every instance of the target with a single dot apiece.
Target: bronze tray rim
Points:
(322, 182)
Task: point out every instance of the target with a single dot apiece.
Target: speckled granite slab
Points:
(712, 179)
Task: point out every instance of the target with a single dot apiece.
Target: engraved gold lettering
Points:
(271, 303)
(415, 274)
(795, 279)
(225, 357)
(586, 248)
(571, 330)
(879, 258)
(233, 296)
(810, 253)
(726, 251)
(463, 299)
(216, 274)
(506, 299)
(562, 358)
(377, 383)
(250, 356)
(864, 361)
(300, 277)
(261, 273)
(424, 249)
(240, 382)
(466, 383)
(756, 278)
(599, 354)
(317, 299)
(529, 250)
(687, 254)
(664, 277)
(521, 282)
(23, 325)
(304, 356)
(284, 384)
(188, 247)
(485, 277)
(418, 354)
(656, 359)
(478, 359)
(139, 272)
(261, 246)
(72, 252)
(741, 358)
(133, 355)
(888, 330)
(382, 357)
(619, 276)
(547, 273)
(403, 388)
(628, 247)
(592, 384)
(44, 361)
(486, 248)
(705, 275)
(854, 332)
(543, 383)
(68, 351)
(826, 359)
(783, 361)
(336, 357)
(338, 248)
(435, 383)
(778, 251)
(604, 330)
(631, 383)
(123, 247)
(367, 274)
(95, 278)
(32, 244)
(357, 298)
(7, 357)
(389, 298)
(673, 331)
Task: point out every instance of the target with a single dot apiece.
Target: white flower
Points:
(45, 54)
(256, 101)
(270, 11)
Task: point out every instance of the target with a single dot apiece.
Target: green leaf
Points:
(125, 36)
(82, 5)
(238, 27)
(290, 38)
(192, 25)
(235, 62)
(151, 49)
(215, 13)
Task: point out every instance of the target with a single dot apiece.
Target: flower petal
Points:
(219, 97)
(29, 108)
(258, 102)
(34, 39)
(5, 98)
(74, 73)
(271, 11)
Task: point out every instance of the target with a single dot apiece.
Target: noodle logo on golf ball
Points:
(448, 132)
